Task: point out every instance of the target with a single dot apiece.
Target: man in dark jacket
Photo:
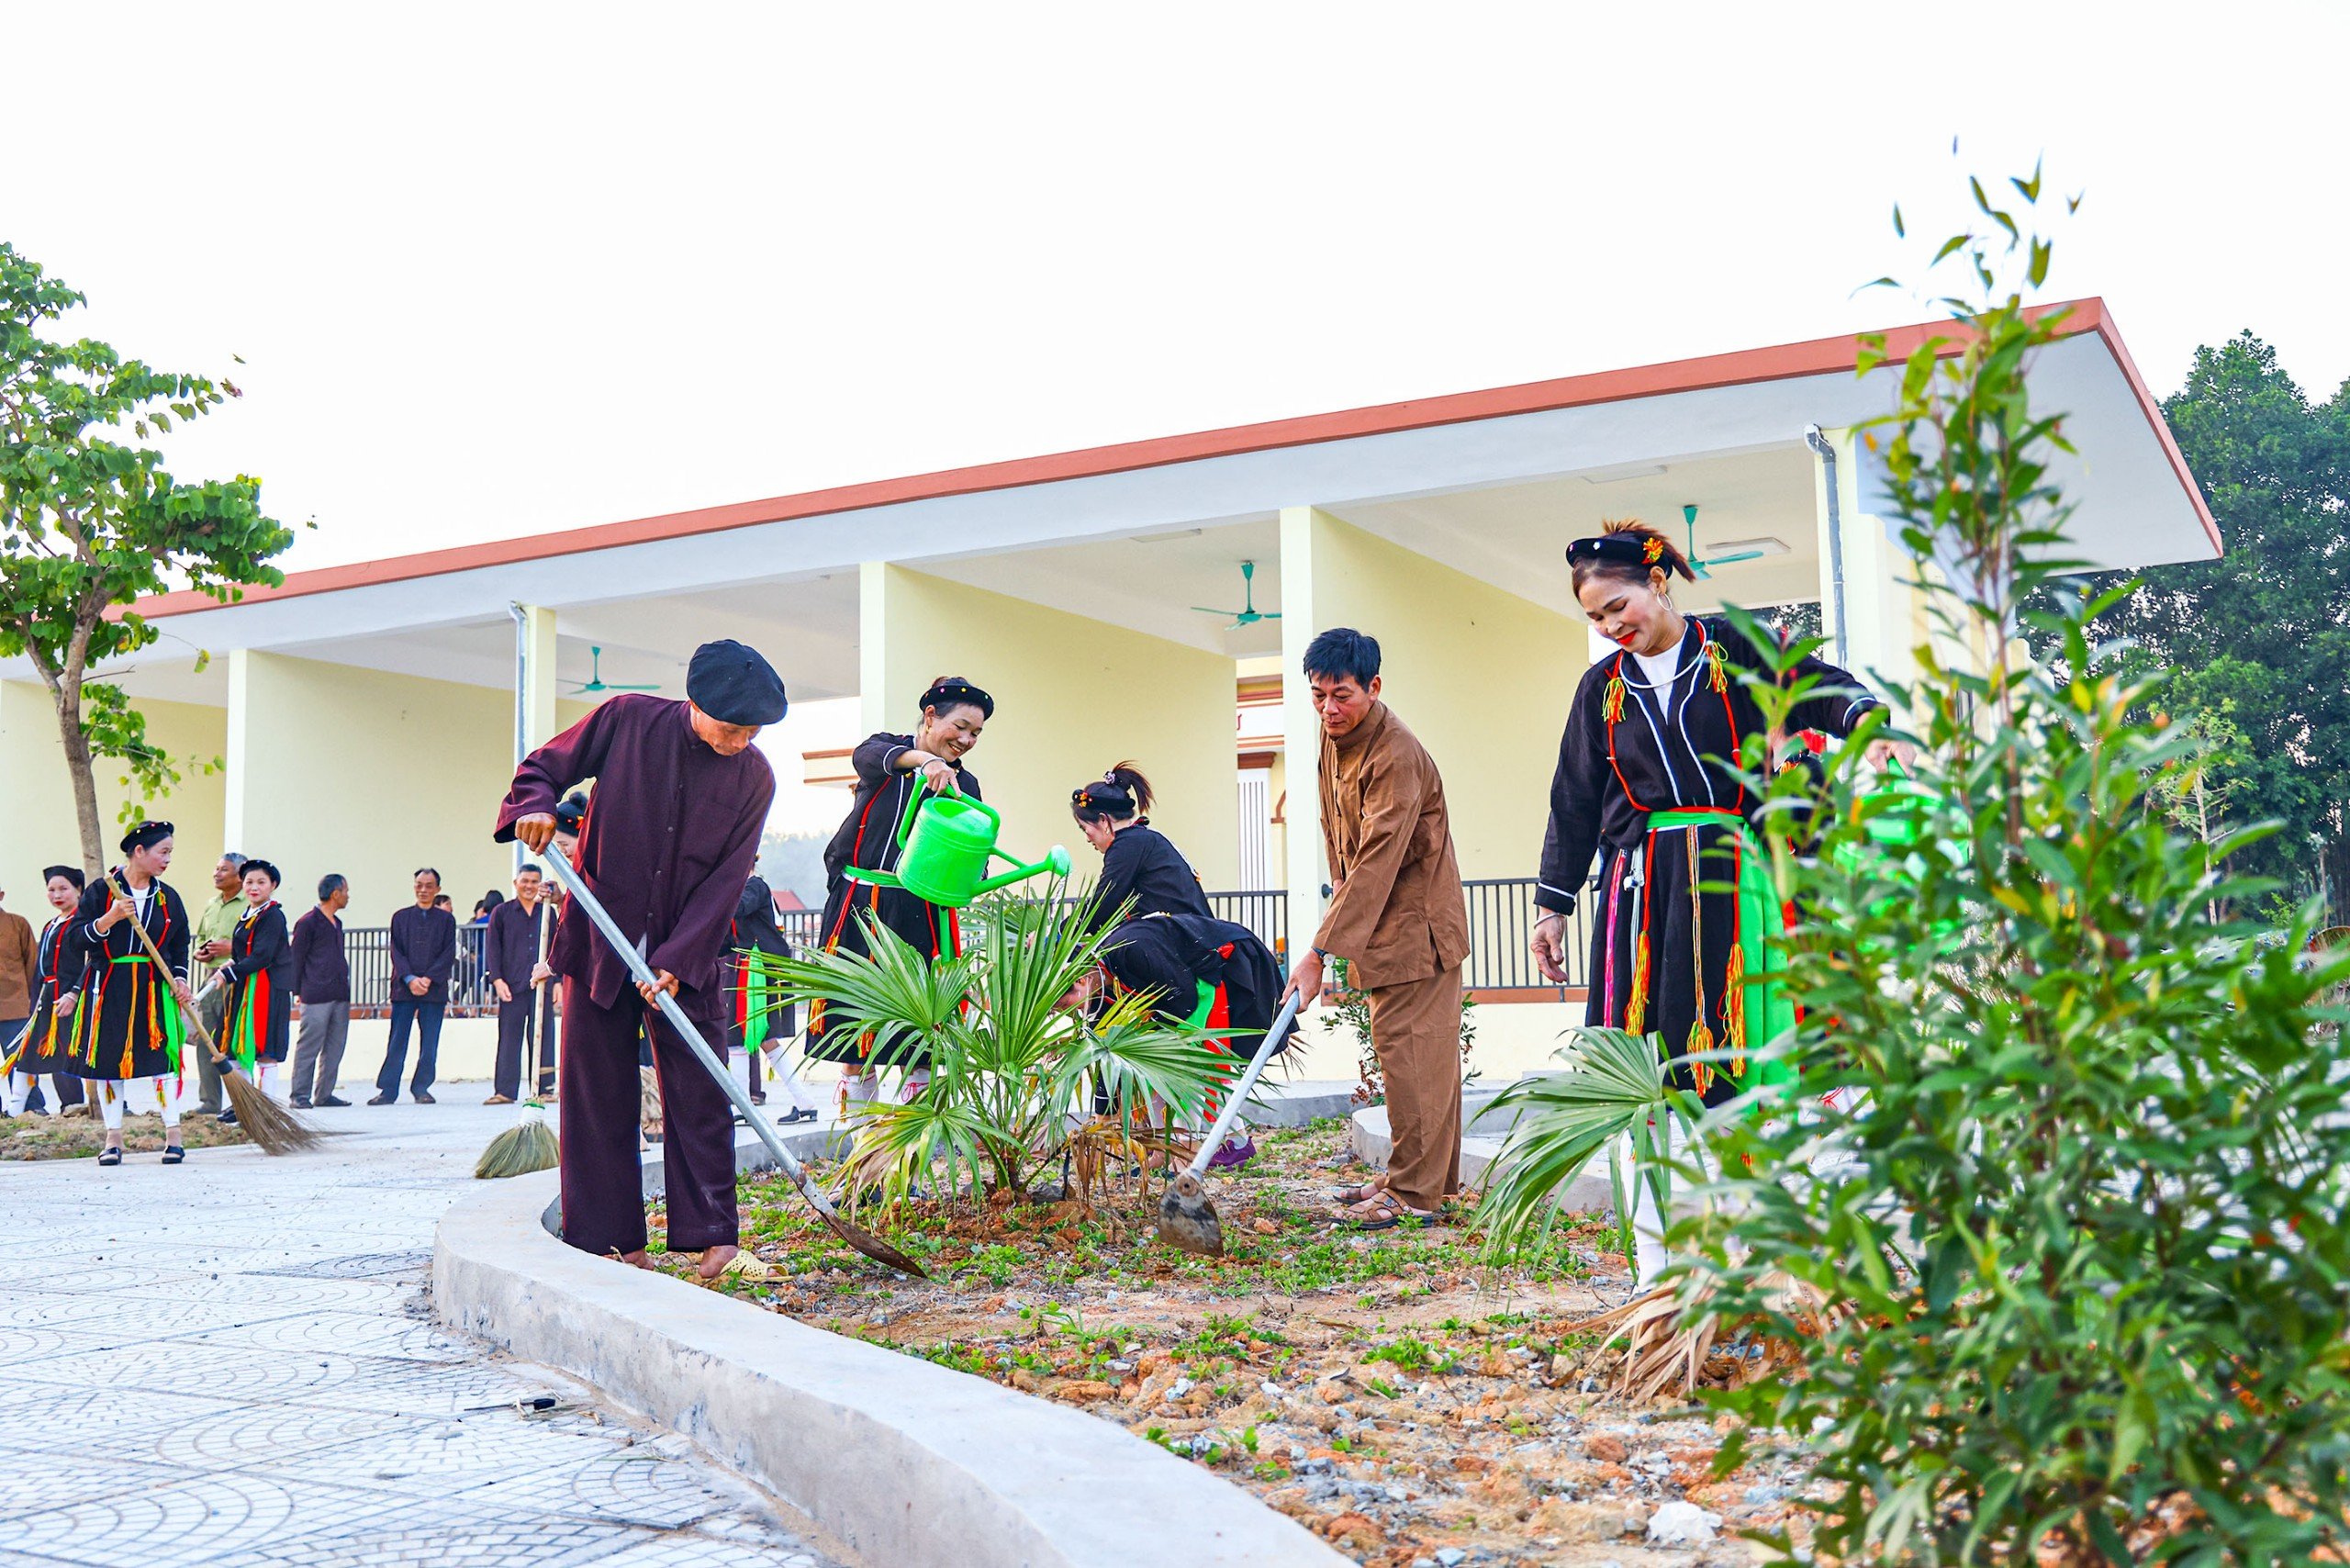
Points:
(681, 797)
(424, 954)
(510, 949)
(322, 981)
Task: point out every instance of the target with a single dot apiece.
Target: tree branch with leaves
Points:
(89, 524)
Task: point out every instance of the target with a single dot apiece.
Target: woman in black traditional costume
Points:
(128, 1024)
(1645, 778)
(258, 1019)
(890, 769)
(40, 1050)
(758, 1012)
(1139, 862)
(1679, 937)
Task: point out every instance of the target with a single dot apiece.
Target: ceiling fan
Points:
(596, 681)
(1248, 615)
(1755, 549)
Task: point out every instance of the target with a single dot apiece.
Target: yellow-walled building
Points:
(365, 718)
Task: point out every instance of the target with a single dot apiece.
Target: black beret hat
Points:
(734, 685)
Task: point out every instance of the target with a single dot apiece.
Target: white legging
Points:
(20, 1089)
(861, 1085)
(780, 1076)
(113, 1092)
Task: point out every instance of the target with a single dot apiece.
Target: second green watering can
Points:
(945, 843)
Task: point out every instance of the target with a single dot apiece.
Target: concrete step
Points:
(1480, 1143)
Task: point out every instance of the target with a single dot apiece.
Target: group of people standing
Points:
(114, 982)
(1646, 813)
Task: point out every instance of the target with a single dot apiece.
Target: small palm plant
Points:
(1611, 1091)
(1014, 1074)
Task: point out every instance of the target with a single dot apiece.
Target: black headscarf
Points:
(146, 836)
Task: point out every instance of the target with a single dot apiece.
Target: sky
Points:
(495, 270)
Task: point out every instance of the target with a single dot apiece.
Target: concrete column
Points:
(1482, 676)
(1884, 617)
(1301, 729)
(238, 755)
(1073, 696)
(540, 721)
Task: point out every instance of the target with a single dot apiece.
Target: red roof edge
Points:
(1817, 356)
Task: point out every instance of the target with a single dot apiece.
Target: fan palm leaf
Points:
(1611, 1085)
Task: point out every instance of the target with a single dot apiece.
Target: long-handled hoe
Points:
(872, 1246)
(1186, 1218)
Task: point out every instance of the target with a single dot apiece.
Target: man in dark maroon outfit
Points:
(672, 836)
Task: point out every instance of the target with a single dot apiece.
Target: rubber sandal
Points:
(1350, 1196)
(109, 1156)
(1388, 1211)
(174, 1154)
(805, 1114)
(742, 1266)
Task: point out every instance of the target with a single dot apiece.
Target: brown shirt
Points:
(1397, 913)
(17, 958)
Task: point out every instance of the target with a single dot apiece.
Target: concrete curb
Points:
(1481, 1135)
(909, 1464)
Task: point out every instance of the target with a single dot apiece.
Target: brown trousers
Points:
(1416, 1029)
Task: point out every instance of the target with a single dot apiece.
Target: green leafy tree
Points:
(2065, 1263)
(2262, 635)
(89, 524)
(2073, 1254)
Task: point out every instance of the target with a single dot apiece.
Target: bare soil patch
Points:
(1390, 1391)
(81, 1138)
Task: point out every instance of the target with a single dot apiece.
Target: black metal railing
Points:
(1502, 917)
(1264, 911)
(368, 950)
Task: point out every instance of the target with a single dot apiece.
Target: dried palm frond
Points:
(1673, 1340)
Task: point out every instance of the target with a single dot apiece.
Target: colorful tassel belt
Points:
(1755, 1008)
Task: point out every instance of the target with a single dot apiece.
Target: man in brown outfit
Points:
(1397, 917)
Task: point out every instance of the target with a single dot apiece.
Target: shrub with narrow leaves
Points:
(2079, 1229)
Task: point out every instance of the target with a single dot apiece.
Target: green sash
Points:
(174, 1028)
(1764, 1009)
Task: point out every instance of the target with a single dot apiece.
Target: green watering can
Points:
(1897, 841)
(945, 843)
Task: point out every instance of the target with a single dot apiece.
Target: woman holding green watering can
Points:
(889, 770)
(1634, 783)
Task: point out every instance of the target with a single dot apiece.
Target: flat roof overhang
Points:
(1389, 468)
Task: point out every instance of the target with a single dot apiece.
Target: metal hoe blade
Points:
(872, 1246)
(1187, 1219)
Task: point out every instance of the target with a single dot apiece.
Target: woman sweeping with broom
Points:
(127, 1025)
(1674, 951)
(889, 768)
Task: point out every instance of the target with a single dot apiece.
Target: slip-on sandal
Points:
(1388, 1211)
(1349, 1196)
(110, 1157)
(174, 1154)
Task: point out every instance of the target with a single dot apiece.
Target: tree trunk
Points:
(78, 766)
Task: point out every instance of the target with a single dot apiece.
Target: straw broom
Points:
(529, 1144)
(271, 1125)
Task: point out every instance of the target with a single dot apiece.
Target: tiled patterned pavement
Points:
(230, 1363)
